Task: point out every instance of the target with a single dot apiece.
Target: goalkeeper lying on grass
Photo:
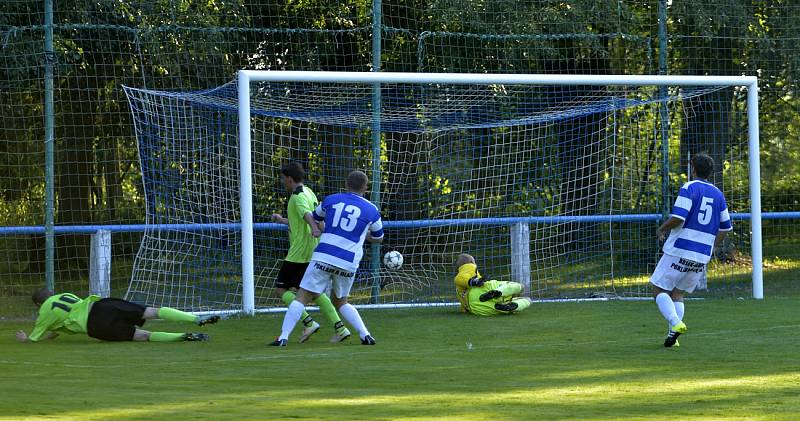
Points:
(108, 319)
(485, 297)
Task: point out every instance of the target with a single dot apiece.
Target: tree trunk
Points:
(75, 174)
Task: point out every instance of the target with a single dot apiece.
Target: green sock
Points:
(326, 307)
(166, 337)
(287, 298)
(171, 314)
(509, 288)
(522, 303)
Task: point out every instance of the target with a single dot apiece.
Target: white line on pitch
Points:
(280, 355)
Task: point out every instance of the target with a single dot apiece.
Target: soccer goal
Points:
(554, 181)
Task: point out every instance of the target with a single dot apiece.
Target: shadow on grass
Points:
(567, 360)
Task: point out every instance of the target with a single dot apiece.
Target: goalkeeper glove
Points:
(476, 282)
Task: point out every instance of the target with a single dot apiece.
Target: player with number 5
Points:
(699, 221)
(349, 220)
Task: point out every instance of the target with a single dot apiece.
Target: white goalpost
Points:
(556, 182)
(247, 88)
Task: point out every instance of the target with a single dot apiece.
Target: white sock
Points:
(293, 314)
(680, 309)
(350, 314)
(667, 308)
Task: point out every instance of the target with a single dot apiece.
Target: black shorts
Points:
(290, 275)
(112, 319)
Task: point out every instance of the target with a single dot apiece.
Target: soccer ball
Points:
(393, 259)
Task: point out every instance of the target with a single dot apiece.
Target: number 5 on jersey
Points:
(706, 211)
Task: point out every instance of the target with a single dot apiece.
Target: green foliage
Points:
(189, 45)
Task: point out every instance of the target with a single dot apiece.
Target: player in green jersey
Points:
(303, 238)
(108, 319)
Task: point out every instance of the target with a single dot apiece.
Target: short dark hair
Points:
(41, 296)
(357, 181)
(703, 165)
(463, 259)
(294, 170)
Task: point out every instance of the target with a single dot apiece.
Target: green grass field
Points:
(599, 360)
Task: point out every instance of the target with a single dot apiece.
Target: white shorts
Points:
(677, 272)
(320, 276)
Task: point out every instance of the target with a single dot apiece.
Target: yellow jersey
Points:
(465, 272)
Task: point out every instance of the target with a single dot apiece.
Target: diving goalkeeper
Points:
(485, 297)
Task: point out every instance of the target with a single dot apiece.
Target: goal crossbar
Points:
(492, 78)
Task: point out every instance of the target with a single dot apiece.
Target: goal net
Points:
(557, 186)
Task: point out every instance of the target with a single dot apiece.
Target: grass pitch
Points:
(599, 360)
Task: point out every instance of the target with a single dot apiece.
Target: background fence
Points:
(61, 78)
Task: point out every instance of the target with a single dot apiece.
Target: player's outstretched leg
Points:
(351, 315)
(667, 308)
(290, 319)
(680, 310)
(207, 320)
(310, 327)
(143, 335)
(192, 337)
(175, 315)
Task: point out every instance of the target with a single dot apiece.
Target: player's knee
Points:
(141, 335)
(305, 297)
(150, 313)
(338, 302)
(657, 290)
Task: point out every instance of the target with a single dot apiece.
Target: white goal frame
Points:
(245, 77)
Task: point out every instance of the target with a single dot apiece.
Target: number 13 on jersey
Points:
(345, 217)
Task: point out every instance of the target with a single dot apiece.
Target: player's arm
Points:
(23, 337)
(316, 230)
(319, 213)
(720, 238)
(278, 218)
(465, 278)
(725, 225)
(375, 234)
(41, 330)
(667, 226)
(680, 211)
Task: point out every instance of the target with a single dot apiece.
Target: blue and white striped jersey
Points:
(704, 212)
(347, 218)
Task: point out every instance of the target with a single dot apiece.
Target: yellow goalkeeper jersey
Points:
(465, 272)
